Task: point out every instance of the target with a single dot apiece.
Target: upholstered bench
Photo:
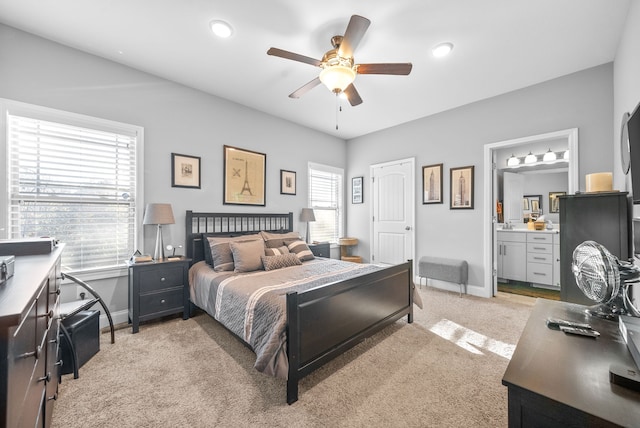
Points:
(443, 269)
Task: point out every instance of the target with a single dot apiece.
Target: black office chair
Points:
(70, 309)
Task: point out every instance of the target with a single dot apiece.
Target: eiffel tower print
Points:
(245, 186)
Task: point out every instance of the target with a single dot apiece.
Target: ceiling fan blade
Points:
(388, 68)
(352, 95)
(293, 56)
(353, 34)
(305, 88)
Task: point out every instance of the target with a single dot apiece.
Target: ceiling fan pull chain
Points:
(338, 107)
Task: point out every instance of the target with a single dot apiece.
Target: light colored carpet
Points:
(444, 370)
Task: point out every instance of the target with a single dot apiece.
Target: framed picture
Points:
(432, 184)
(244, 177)
(185, 171)
(287, 182)
(356, 190)
(461, 184)
(554, 201)
(534, 203)
(525, 204)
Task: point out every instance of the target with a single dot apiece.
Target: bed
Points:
(338, 305)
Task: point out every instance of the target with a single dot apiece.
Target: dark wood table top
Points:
(574, 370)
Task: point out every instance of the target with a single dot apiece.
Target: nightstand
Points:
(321, 250)
(157, 289)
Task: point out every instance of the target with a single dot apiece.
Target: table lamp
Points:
(158, 214)
(307, 215)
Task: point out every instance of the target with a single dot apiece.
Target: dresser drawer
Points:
(541, 238)
(540, 258)
(159, 278)
(169, 301)
(540, 248)
(540, 273)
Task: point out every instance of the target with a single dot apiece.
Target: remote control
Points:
(555, 324)
(579, 331)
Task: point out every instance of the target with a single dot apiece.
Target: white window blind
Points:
(326, 199)
(74, 183)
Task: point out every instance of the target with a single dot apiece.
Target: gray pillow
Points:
(221, 256)
(280, 261)
(247, 255)
(275, 240)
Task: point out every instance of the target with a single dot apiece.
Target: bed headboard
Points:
(229, 224)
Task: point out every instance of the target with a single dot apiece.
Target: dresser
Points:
(561, 380)
(157, 289)
(29, 326)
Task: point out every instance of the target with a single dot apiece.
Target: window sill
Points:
(101, 273)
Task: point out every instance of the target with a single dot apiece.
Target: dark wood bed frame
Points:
(324, 322)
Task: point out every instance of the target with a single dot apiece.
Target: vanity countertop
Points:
(520, 229)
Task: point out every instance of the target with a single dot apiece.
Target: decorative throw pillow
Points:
(247, 255)
(280, 261)
(276, 251)
(300, 249)
(275, 240)
(221, 256)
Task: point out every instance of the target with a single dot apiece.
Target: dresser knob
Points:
(53, 397)
(58, 363)
(162, 301)
(162, 279)
(46, 378)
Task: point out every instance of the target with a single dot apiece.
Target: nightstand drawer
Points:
(156, 303)
(165, 277)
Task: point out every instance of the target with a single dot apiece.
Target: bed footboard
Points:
(327, 321)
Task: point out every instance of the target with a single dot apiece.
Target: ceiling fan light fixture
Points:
(441, 50)
(221, 29)
(337, 77)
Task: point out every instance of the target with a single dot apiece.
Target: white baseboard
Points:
(119, 317)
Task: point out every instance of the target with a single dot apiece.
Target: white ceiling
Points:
(500, 46)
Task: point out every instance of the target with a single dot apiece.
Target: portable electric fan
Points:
(604, 279)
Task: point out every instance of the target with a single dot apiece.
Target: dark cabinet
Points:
(321, 250)
(157, 289)
(601, 217)
(29, 323)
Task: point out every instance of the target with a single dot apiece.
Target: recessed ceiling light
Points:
(221, 29)
(443, 49)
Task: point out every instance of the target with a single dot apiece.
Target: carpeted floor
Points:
(445, 369)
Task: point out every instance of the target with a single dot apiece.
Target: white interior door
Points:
(393, 211)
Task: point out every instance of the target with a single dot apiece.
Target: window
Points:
(326, 199)
(74, 178)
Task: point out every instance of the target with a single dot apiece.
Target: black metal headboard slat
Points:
(229, 224)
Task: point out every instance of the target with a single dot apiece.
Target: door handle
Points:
(407, 228)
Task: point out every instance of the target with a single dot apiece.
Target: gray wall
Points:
(175, 119)
(456, 138)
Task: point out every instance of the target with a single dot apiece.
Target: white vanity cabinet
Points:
(512, 255)
(540, 258)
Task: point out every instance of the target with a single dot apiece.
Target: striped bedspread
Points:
(253, 305)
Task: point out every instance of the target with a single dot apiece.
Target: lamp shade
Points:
(158, 214)
(307, 215)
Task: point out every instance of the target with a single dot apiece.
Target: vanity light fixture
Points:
(531, 158)
(513, 161)
(566, 155)
(221, 29)
(549, 156)
(441, 50)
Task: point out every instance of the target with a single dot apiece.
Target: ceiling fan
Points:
(338, 66)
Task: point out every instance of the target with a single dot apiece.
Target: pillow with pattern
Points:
(280, 261)
(276, 251)
(300, 249)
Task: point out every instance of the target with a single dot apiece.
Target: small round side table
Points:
(346, 245)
